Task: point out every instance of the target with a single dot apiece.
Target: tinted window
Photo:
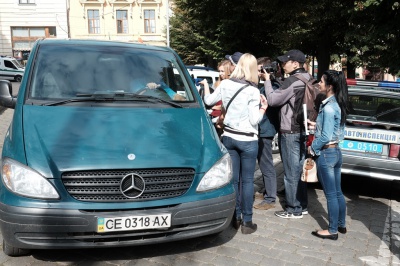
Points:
(379, 108)
(9, 64)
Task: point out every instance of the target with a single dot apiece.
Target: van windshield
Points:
(68, 71)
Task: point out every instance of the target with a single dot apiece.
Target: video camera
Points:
(271, 68)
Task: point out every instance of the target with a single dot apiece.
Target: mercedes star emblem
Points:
(132, 186)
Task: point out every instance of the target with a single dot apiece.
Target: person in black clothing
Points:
(268, 127)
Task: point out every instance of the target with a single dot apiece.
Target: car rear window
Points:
(379, 108)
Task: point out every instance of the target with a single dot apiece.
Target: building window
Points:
(94, 21)
(23, 38)
(26, 1)
(149, 21)
(37, 32)
(122, 21)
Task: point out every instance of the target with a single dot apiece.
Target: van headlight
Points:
(218, 176)
(24, 181)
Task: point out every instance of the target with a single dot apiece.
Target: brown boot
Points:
(264, 206)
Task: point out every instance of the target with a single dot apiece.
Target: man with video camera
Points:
(292, 137)
(268, 127)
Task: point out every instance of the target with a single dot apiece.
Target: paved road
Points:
(373, 221)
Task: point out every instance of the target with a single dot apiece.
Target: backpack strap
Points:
(302, 78)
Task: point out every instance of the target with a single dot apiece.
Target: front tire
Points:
(13, 251)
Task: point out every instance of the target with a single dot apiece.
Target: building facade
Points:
(120, 20)
(22, 22)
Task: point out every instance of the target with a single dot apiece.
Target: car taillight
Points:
(394, 150)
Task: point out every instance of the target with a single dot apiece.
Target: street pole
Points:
(167, 23)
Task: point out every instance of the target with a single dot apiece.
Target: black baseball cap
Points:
(234, 58)
(294, 55)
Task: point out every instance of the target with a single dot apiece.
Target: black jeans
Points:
(266, 164)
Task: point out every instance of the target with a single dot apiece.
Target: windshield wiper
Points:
(113, 96)
(138, 96)
(127, 96)
(91, 99)
(387, 112)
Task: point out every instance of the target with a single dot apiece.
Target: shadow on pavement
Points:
(368, 207)
(165, 252)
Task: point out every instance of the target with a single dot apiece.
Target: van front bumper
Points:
(34, 228)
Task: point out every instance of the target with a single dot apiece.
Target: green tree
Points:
(211, 29)
(363, 31)
(375, 39)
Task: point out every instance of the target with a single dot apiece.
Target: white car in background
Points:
(199, 73)
(11, 69)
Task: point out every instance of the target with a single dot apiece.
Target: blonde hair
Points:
(227, 70)
(246, 68)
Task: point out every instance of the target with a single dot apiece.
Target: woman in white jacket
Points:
(240, 135)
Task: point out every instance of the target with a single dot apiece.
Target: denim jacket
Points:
(328, 128)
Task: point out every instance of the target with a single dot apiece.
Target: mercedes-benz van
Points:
(108, 148)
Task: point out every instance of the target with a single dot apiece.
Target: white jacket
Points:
(243, 113)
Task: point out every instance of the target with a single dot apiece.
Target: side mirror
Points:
(6, 98)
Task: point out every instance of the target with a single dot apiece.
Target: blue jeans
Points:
(329, 165)
(266, 163)
(243, 155)
(293, 149)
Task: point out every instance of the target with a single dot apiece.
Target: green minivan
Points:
(110, 145)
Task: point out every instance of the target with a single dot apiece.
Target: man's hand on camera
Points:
(264, 75)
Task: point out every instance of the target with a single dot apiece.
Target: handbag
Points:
(309, 174)
(220, 120)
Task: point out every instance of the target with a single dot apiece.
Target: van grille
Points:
(104, 185)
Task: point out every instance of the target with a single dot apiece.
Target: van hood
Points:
(66, 138)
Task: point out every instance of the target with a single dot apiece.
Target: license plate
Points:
(367, 147)
(133, 223)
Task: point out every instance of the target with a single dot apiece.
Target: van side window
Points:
(9, 64)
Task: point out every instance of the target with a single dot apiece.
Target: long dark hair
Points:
(339, 85)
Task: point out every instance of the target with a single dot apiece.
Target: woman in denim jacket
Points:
(329, 131)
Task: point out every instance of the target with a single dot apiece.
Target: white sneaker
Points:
(288, 215)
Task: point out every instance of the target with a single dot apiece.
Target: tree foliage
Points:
(377, 43)
(364, 31)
